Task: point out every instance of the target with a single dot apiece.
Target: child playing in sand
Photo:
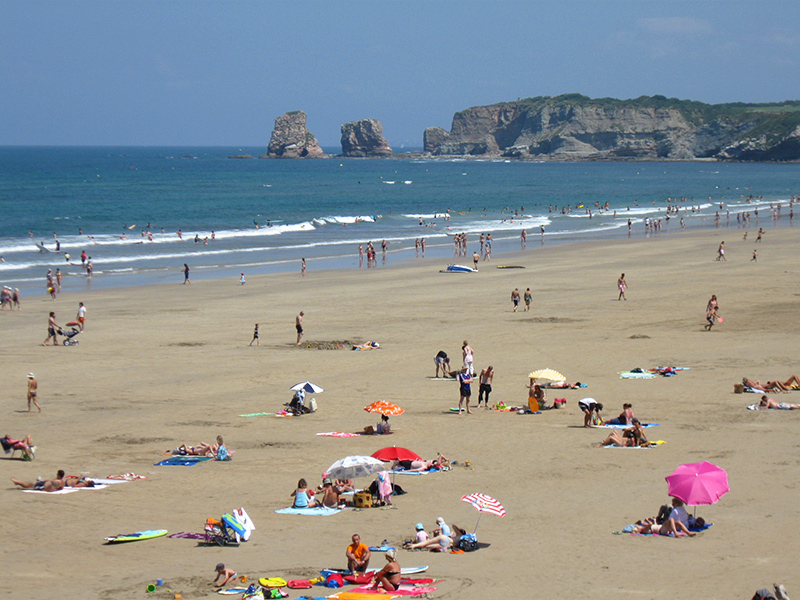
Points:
(227, 575)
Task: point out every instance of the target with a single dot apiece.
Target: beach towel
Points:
(652, 444)
(61, 491)
(636, 375)
(402, 471)
(692, 529)
(127, 477)
(256, 414)
(99, 481)
(317, 512)
(339, 434)
(240, 514)
(610, 426)
(359, 595)
(381, 548)
(187, 535)
(404, 590)
(184, 461)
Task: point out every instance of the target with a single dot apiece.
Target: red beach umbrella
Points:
(395, 453)
(698, 483)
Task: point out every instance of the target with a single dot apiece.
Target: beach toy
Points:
(151, 588)
(243, 578)
(159, 582)
(177, 597)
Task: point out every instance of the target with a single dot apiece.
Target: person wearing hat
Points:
(32, 387)
(422, 535)
(227, 575)
(389, 576)
(441, 538)
(330, 494)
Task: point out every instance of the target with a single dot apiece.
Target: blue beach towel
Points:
(186, 461)
(317, 512)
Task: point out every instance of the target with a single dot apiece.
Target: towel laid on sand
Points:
(609, 426)
(629, 529)
(636, 375)
(188, 535)
(185, 461)
(317, 512)
(652, 444)
(404, 590)
(339, 434)
(404, 472)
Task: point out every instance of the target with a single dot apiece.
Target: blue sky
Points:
(196, 72)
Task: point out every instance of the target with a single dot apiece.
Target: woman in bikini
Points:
(629, 438)
(389, 576)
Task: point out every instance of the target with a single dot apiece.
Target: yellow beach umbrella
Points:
(547, 374)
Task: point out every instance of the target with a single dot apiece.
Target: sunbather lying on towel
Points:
(561, 385)
(773, 386)
(366, 346)
(668, 527)
(630, 437)
(767, 402)
(443, 537)
(422, 465)
(78, 481)
(44, 485)
(217, 451)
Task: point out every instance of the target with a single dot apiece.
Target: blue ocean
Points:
(124, 207)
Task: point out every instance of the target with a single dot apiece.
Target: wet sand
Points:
(166, 364)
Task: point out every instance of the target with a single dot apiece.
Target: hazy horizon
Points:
(217, 74)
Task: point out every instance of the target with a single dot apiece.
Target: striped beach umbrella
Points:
(484, 504)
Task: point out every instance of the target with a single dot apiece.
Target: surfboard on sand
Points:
(403, 571)
(135, 537)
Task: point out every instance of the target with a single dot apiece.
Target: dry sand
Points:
(167, 364)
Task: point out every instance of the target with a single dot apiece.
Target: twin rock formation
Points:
(574, 127)
(291, 139)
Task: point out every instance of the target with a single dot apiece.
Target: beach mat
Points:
(609, 426)
(188, 535)
(692, 529)
(636, 375)
(316, 512)
(405, 589)
(404, 472)
(360, 595)
(339, 434)
(183, 461)
(653, 444)
(61, 491)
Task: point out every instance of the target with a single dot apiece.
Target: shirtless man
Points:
(330, 494)
(298, 325)
(52, 330)
(44, 485)
(475, 258)
(32, 387)
(515, 299)
(485, 388)
(767, 402)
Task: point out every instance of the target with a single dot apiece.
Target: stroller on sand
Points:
(69, 335)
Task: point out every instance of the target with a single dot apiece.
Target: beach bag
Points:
(299, 584)
(334, 580)
(312, 405)
(468, 542)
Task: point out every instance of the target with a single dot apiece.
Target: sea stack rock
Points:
(364, 138)
(291, 139)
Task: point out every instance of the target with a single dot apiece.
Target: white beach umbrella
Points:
(308, 387)
(351, 467)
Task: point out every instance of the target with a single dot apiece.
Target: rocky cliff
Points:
(574, 127)
(291, 139)
(364, 138)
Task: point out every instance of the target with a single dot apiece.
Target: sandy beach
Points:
(162, 365)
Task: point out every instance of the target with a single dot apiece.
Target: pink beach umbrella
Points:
(484, 504)
(698, 483)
